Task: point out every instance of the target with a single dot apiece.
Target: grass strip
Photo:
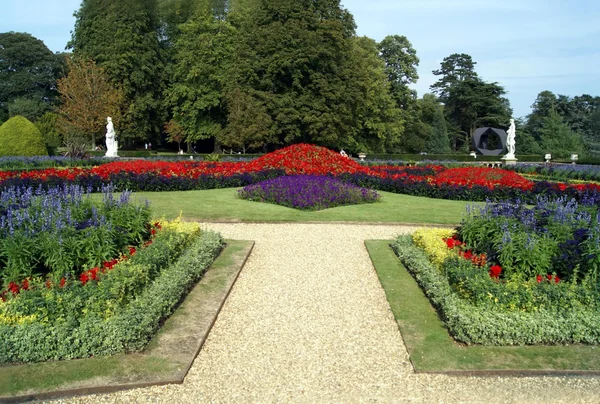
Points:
(224, 205)
(431, 348)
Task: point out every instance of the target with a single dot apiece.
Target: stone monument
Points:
(509, 158)
(111, 139)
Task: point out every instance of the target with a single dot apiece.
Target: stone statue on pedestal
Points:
(510, 140)
(111, 139)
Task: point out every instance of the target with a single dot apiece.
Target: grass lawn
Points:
(224, 205)
(430, 347)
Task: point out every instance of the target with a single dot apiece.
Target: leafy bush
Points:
(127, 326)
(471, 322)
(59, 231)
(310, 192)
(20, 137)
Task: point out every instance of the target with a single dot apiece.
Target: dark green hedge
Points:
(474, 325)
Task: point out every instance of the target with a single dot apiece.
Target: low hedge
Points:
(128, 330)
(474, 325)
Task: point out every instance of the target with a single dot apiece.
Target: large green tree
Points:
(379, 121)
(469, 102)
(28, 75)
(454, 69)
(202, 57)
(293, 65)
(558, 139)
(401, 64)
(122, 37)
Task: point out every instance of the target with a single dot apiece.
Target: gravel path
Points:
(307, 321)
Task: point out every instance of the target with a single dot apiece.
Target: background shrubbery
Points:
(20, 137)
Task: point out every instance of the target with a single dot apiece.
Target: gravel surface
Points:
(307, 321)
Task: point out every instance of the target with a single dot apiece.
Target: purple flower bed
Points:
(308, 192)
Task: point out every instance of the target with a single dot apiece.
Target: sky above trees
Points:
(526, 46)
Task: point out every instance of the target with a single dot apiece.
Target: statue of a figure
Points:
(510, 139)
(111, 141)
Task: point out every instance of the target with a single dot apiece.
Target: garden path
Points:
(308, 321)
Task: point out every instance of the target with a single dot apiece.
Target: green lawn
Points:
(223, 205)
(431, 348)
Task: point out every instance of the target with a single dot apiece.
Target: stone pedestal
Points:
(509, 160)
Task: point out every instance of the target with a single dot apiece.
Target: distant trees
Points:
(260, 74)
(122, 37)
(469, 102)
(88, 97)
(28, 74)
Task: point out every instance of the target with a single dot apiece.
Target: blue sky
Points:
(527, 46)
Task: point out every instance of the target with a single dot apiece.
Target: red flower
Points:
(153, 232)
(25, 284)
(83, 278)
(62, 282)
(157, 225)
(48, 284)
(131, 250)
(556, 279)
(549, 277)
(539, 278)
(14, 288)
(495, 271)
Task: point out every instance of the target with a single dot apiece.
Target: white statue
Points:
(510, 140)
(111, 141)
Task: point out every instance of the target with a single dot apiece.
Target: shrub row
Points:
(474, 325)
(129, 330)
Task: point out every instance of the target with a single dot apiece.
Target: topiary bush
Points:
(20, 137)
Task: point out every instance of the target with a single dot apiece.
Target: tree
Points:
(432, 114)
(454, 69)
(542, 107)
(47, 125)
(203, 53)
(175, 133)
(379, 122)
(28, 74)
(88, 98)
(293, 64)
(122, 37)
(473, 103)
(558, 139)
(401, 64)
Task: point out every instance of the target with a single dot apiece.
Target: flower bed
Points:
(309, 192)
(116, 310)
(514, 274)
(436, 181)
(56, 232)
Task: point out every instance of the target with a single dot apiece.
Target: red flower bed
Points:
(295, 159)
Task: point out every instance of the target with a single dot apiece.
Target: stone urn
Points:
(362, 156)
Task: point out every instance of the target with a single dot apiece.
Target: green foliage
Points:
(202, 54)
(28, 74)
(47, 127)
(401, 64)
(379, 119)
(20, 137)
(105, 330)
(294, 68)
(487, 324)
(556, 137)
(121, 36)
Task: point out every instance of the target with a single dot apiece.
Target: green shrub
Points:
(488, 324)
(47, 126)
(20, 137)
(128, 330)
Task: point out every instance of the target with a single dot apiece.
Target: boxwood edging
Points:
(127, 331)
(472, 325)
